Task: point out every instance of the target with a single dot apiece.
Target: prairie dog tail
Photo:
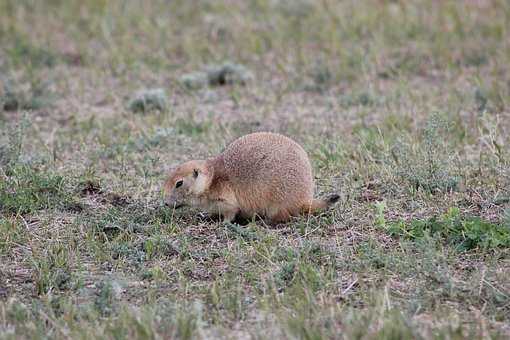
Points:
(318, 205)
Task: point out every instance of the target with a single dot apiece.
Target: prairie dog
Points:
(261, 173)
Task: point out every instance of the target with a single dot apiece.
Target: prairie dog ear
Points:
(202, 181)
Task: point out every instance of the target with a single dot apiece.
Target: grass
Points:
(154, 99)
(26, 190)
(464, 233)
(217, 75)
(402, 107)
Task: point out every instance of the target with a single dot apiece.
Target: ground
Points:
(403, 107)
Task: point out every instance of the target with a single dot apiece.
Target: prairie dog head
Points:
(186, 183)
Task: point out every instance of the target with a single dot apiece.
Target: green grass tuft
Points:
(149, 100)
(430, 165)
(26, 190)
(52, 270)
(227, 73)
(26, 94)
(462, 232)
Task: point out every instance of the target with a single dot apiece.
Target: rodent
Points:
(263, 173)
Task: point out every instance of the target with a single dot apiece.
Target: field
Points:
(403, 107)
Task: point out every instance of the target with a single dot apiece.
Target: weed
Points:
(155, 273)
(12, 233)
(380, 220)
(52, 270)
(329, 155)
(194, 80)
(191, 128)
(227, 73)
(113, 224)
(429, 165)
(463, 232)
(226, 295)
(11, 150)
(26, 190)
(507, 217)
(107, 295)
(321, 78)
(145, 143)
(26, 95)
(286, 273)
(242, 232)
(481, 100)
(363, 98)
(149, 100)
(296, 9)
(307, 266)
(129, 252)
(475, 58)
(24, 52)
(159, 247)
(392, 324)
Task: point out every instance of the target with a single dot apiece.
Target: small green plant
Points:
(285, 274)
(380, 208)
(125, 220)
(186, 325)
(306, 265)
(194, 80)
(149, 100)
(155, 273)
(227, 296)
(16, 311)
(129, 253)
(329, 155)
(12, 232)
(363, 98)
(463, 232)
(190, 127)
(158, 247)
(26, 190)
(24, 52)
(227, 73)
(506, 217)
(12, 143)
(320, 78)
(429, 165)
(160, 138)
(481, 99)
(26, 94)
(107, 295)
(52, 269)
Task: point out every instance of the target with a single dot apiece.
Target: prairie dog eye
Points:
(178, 184)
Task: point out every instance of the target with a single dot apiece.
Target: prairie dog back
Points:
(272, 167)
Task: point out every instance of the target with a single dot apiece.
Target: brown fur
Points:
(262, 173)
